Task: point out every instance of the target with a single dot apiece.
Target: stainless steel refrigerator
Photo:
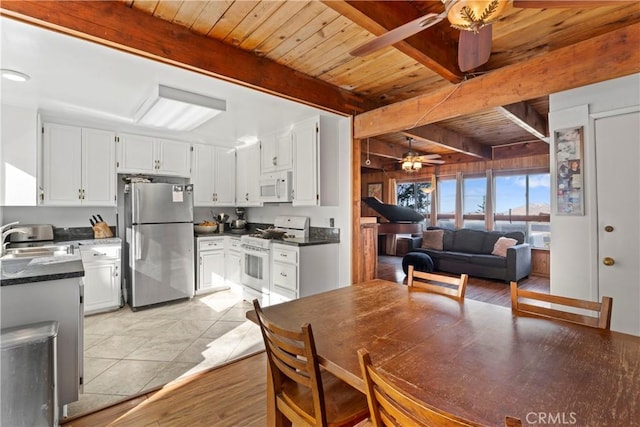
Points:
(158, 243)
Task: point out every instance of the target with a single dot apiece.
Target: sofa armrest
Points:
(518, 262)
(416, 242)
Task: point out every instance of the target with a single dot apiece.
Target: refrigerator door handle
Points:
(137, 244)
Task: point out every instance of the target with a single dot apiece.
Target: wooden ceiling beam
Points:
(581, 64)
(525, 116)
(383, 149)
(432, 48)
(116, 25)
(525, 149)
(449, 139)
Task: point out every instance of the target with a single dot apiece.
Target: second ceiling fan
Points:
(474, 19)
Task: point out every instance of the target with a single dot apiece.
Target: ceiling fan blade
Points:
(435, 162)
(549, 4)
(398, 34)
(474, 49)
(431, 156)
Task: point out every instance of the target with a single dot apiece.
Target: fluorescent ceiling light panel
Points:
(177, 109)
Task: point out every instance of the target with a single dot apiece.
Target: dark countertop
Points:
(30, 270)
(305, 241)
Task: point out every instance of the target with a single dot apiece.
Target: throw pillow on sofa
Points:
(432, 239)
(501, 246)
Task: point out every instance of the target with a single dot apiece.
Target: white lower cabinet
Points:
(101, 277)
(299, 271)
(210, 266)
(233, 264)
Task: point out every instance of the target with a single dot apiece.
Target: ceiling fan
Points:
(412, 161)
(474, 19)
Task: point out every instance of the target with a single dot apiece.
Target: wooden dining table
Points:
(473, 359)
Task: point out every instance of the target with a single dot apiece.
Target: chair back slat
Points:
(390, 406)
(292, 356)
(434, 283)
(601, 320)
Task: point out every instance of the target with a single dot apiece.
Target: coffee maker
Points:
(240, 223)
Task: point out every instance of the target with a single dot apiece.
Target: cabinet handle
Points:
(83, 194)
(274, 161)
(246, 196)
(200, 260)
(283, 274)
(608, 261)
(80, 193)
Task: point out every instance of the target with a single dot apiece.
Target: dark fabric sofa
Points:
(469, 251)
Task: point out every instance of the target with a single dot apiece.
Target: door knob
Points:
(608, 229)
(608, 261)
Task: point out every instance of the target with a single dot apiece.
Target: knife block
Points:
(101, 231)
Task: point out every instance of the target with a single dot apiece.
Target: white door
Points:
(618, 157)
(173, 158)
(202, 176)
(284, 151)
(211, 270)
(62, 163)
(137, 154)
(305, 163)
(101, 286)
(225, 176)
(98, 167)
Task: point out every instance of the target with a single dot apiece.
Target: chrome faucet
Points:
(6, 231)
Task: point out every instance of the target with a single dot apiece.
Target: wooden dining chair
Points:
(390, 406)
(305, 394)
(603, 308)
(435, 282)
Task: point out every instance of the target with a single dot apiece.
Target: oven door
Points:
(256, 269)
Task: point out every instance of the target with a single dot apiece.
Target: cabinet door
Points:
(173, 158)
(136, 154)
(202, 175)
(284, 151)
(305, 165)
(225, 176)
(233, 269)
(98, 168)
(248, 176)
(211, 270)
(62, 165)
(101, 287)
(268, 154)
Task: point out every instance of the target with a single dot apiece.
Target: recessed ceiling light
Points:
(15, 76)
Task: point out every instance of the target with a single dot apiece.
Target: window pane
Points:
(539, 194)
(474, 224)
(511, 195)
(410, 195)
(475, 191)
(446, 223)
(446, 196)
(508, 226)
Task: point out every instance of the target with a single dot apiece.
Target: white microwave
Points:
(276, 187)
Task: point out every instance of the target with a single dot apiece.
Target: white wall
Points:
(18, 156)
(574, 251)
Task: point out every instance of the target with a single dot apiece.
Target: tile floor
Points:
(127, 352)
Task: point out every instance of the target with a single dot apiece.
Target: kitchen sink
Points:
(37, 251)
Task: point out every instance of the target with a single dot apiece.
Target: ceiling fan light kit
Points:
(471, 15)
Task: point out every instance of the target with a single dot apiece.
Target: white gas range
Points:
(256, 255)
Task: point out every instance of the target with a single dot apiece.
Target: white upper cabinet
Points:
(78, 166)
(315, 162)
(306, 189)
(213, 177)
(276, 152)
(248, 176)
(154, 156)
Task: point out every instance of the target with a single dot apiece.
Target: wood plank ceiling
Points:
(312, 39)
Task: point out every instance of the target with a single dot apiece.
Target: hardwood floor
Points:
(235, 394)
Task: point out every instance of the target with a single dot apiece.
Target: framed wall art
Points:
(374, 189)
(568, 146)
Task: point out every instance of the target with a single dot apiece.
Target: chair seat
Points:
(341, 400)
